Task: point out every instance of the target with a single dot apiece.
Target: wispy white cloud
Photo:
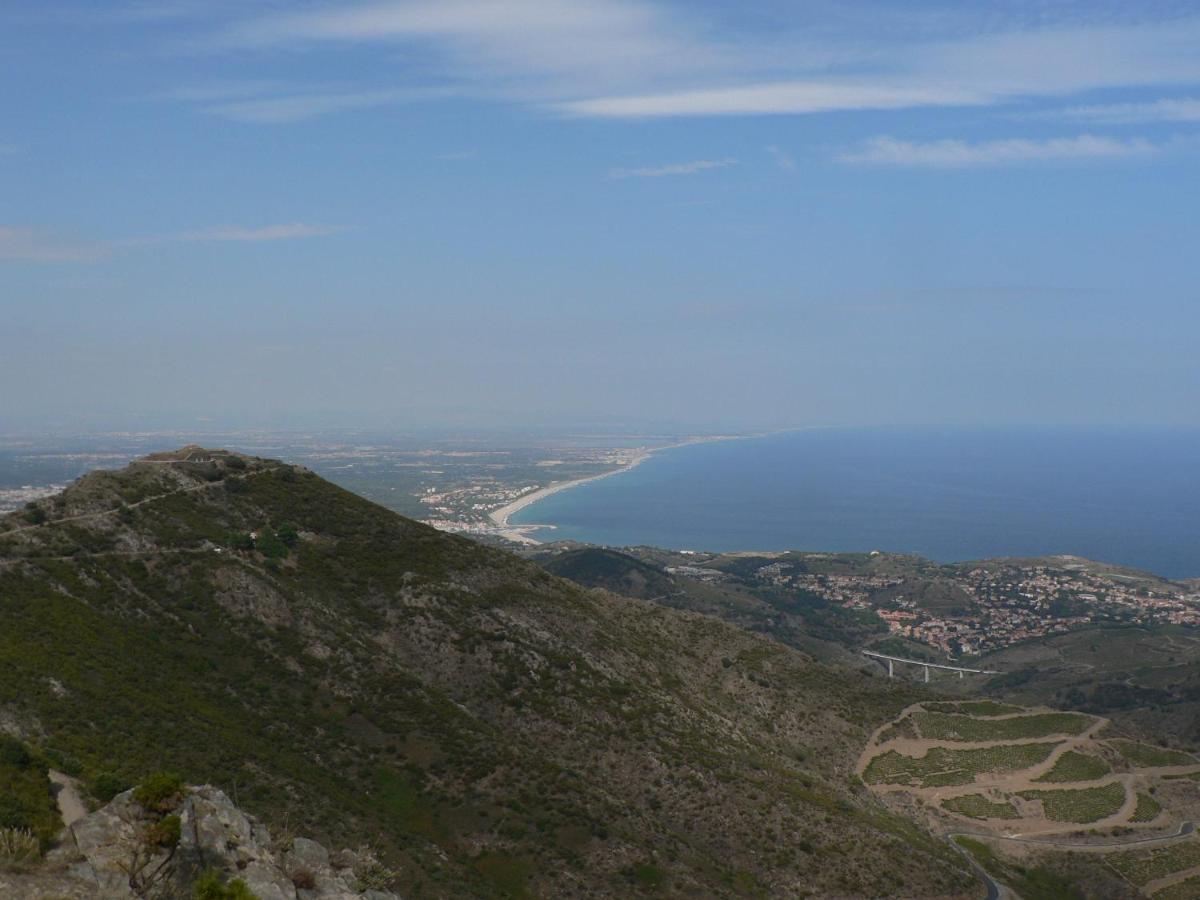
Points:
(18, 243)
(599, 39)
(888, 151)
(780, 98)
(285, 232)
(35, 245)
(275, 102)
(653, 59)
(1169, 110)
(217, 91)
(688, 168)
(300, 107)
(782, 158)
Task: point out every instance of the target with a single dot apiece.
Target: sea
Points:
(1124, 496)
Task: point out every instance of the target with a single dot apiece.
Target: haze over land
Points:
(598, 212)
(347, 352)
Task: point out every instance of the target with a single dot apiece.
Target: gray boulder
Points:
(107, 855)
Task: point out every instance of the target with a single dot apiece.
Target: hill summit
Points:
(489, 728)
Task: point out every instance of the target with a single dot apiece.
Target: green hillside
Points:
(490, 728)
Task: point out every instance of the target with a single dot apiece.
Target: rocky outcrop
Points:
(121, 851)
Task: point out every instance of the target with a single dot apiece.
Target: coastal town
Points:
(484, 504)
(988, 606)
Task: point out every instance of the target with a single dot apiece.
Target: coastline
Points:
(521, 533)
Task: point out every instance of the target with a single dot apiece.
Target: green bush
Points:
(210, 887)
(14, 753)
(64, 762)
(165, 833)
(647, 876)
(370, 874)
(160, 792)
(270, 546)
(106, 785)
(288, 534)
(26, 801)
(241, 541)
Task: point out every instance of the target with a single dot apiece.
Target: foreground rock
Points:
(123, 851)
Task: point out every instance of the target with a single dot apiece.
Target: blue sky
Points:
(599, 212)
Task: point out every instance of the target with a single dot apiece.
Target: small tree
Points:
(241, 541)
(160, 792)
(288, 534)
(270, 546)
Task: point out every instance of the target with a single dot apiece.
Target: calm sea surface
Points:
(1130, 496)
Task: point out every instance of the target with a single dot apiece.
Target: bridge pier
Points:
(892, 660)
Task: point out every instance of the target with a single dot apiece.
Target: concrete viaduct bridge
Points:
(892, 660)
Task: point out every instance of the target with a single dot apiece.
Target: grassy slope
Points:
(493, 728)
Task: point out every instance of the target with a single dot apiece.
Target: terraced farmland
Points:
(1073, 766)
(1044, 776)
(980, 708)
(942, 766)
(978, 806)
(1081, 805)
(1147, 756)
(1046, 786)
(1143, 866)
(950, 727)
(1147, 809)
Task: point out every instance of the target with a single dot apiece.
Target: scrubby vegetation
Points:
(26, 802)
(384, 678)
(1030, 883)
(209, 886)
(1081, 805)
(106, 785)
(978, 806)
(160, 792)
(19, 849)
(1073, 766)
(943, 766)
(1188, 889)
(950, 727)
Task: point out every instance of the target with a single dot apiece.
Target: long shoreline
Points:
(520, 533)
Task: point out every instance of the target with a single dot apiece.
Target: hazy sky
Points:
(599, 211)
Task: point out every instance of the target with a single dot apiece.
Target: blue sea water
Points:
(1128, 496)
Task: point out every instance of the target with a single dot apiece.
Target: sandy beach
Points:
(521, 533)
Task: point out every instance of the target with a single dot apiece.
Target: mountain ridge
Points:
(499, 730)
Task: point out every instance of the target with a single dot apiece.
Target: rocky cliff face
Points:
(123, 851)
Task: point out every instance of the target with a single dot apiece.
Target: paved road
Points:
(995, 890)
(1184, 830)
